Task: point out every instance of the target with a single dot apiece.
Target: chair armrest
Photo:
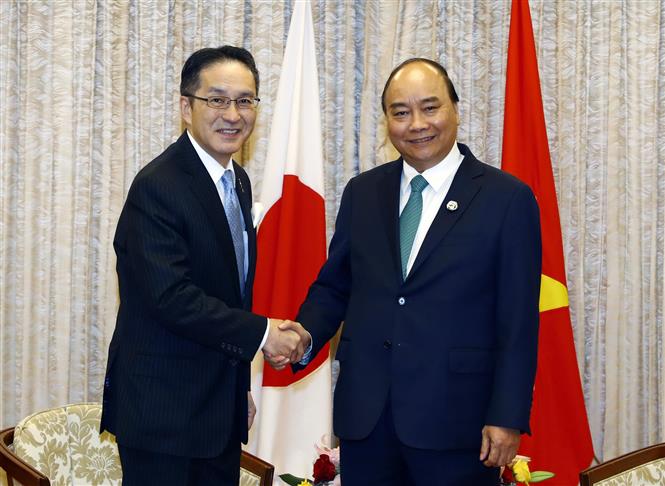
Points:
(258, 466)
(621, 464)
(17, 469)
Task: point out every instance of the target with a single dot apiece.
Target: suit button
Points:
(401, 301)
(387, 344)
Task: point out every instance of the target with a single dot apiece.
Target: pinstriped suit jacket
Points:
(178, 365)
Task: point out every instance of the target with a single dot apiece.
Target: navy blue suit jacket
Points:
(454, 346)
(179, 361)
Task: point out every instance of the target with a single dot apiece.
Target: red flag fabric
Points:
(561, 440)
(293, 412)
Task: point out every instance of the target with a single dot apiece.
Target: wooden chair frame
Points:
(606, 470)
(19, 470)
(261, 468)
(16, 468)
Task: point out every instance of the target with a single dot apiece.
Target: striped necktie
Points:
(234, 217)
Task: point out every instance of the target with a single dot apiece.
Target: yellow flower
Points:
(304, 483)
(521, 471)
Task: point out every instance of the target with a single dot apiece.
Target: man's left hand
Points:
(251, 410)
(499, 445)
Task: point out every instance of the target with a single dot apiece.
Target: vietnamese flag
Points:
(561, 440)
(292, 413)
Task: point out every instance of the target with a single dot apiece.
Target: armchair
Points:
(62, 446)
(644, 467)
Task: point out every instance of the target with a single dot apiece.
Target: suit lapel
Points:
(465, 186)
(205, 191)
(388, 199)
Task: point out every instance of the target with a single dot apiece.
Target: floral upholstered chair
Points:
(65, 445)
(644, 467)
(62, 447)
(255, 471)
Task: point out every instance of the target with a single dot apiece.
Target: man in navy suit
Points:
(434, 268)
(176, 393)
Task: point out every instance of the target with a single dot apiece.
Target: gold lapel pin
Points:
(451, 206)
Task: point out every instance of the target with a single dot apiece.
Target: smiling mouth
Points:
(422, 140)
(228, 131)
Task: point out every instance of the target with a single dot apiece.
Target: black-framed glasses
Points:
(224, 102)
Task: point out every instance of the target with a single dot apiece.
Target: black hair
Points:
(190, 78)
(440, 69)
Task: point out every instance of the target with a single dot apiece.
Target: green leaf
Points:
(290, 479)
(538, 476)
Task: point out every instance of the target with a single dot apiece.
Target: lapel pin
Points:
(451, 206)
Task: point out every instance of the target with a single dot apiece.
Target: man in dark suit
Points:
(176, 393)
(435, 269)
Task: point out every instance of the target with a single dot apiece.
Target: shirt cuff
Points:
(265, 335)
(307, 357)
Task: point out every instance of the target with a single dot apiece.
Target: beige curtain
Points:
(88, 95)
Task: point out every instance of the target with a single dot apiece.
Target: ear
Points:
(186, 110)
(456, 113)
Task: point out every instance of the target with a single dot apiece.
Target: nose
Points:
(231, 114)
(418, 121)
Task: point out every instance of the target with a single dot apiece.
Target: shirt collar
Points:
(214, 168)
(437, 175)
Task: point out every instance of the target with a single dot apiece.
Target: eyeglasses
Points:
(223, 102)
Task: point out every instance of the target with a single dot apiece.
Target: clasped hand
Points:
(286, 343)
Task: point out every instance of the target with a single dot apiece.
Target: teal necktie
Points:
(410, 219)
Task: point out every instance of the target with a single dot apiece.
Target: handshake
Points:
(287, 342)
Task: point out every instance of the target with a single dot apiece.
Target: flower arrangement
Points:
(325, 470)
(518, 472)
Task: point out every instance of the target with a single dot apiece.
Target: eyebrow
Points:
(400, 104)
(397, 104)
(222, 91)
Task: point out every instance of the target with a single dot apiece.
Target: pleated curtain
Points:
(89, 94)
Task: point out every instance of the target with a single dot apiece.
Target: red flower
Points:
(324, 470)
(507, 475)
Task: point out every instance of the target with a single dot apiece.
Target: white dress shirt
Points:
(439, 178)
